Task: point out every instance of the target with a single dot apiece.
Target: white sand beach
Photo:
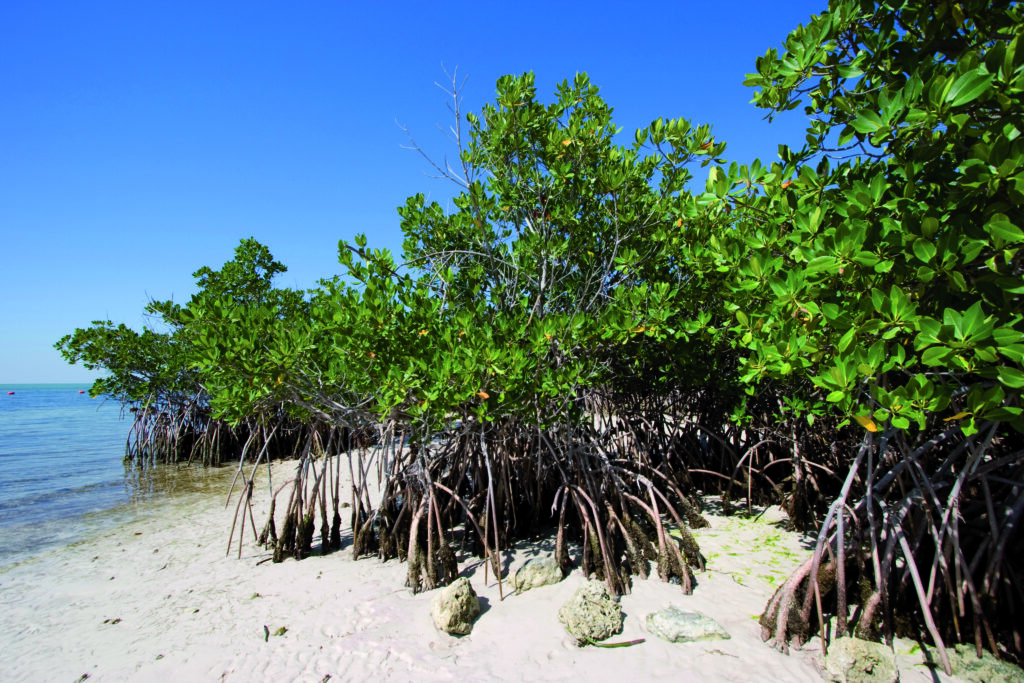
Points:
(157, 599)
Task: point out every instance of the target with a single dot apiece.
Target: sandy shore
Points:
(157, 598)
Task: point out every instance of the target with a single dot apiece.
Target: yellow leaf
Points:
(566, 143)
(958, 416)
(679, 223)
(483, 394)
(547, 336)
(638, 330)
(866, 422)
(422, 332)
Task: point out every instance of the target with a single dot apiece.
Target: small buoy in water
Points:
(10, 393)
(81, 391)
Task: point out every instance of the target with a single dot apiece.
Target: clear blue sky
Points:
(140, 141)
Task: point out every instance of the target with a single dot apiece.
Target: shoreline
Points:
(139, 494)
(157, 597)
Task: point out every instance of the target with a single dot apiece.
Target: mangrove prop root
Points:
(506, 478)
(911, 545)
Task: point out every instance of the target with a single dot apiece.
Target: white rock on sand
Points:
(157, 599)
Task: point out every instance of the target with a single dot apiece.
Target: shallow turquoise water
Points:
(62, 475)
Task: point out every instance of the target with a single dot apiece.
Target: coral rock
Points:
(676, 626)
(455, 608)
(536, 573)
(852, 660)
(591, 613)
(987, 669)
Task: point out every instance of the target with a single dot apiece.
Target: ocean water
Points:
(62, 475)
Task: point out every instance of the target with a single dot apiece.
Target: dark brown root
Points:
(304, 537)
(335, 540)
(268, 537)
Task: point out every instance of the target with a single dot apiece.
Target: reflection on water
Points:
(146, 491)
(142, 484)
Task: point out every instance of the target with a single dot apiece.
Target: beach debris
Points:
(676, 626)
(266, 633)
(281, 631)
(537, 572)
(591, 614)
(455, 607)
(852, 660)
(112, 621)
(986, 669)
(624, 643)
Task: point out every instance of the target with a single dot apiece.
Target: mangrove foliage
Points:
(591, 337)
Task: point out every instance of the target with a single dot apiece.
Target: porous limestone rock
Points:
(852, 660)
(591, 613)
(455, 607)
(676, 626)
(535, 573)
(988, 669)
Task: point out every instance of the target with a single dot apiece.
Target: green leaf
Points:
(1015, 352)
(1001, 226)
(924, 250)
(884, 266)
(821, 264)
(936, 355)
(969, 87)
(1003, 414)
(846, 339)
(866, 258)
(1011, 377)
(867, 122)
